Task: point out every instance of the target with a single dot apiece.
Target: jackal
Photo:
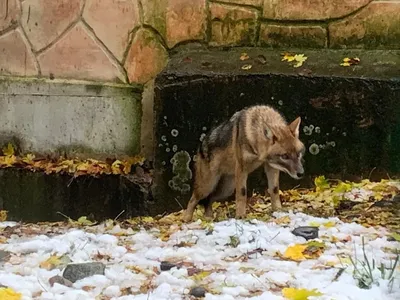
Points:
(252, 137)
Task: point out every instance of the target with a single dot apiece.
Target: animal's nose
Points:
(300, 174)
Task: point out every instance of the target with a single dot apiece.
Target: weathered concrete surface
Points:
(51, 116)
(350, 115)
(33, 197)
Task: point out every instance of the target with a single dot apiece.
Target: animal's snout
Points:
(300, 174)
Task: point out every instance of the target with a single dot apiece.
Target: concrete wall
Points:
(45, 116)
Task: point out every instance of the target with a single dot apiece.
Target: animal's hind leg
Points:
(224, 189)
(202, 189)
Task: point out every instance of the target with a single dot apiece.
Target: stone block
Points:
(10, 12)
(176, 20)
(53, 117)
(44, 21)
(16, 56)
(257, 3)
(232, 25)
(112, 21)
(376, 27)
(77, 55)
(146, 57)
(310, 10)
(306, 36)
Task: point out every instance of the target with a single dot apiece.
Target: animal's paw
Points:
(187, 218)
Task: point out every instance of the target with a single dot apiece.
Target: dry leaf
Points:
(299, 294)
(8, 150)
(299, 59)
(9, 294)
(28, 159)
(246, 67)
(54, 261)
(83, 221)
(283, 220)
(200, 276)
(244, 56)
(3, 215)
(295, 252)
(347, 62)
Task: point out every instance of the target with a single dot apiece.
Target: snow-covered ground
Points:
(233, 260)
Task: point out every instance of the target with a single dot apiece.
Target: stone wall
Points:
(129, 40)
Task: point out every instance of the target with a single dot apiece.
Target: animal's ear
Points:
(295, 126)
(269, 135)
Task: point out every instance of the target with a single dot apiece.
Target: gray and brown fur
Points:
(253, 137)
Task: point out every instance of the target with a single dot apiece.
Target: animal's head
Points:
(286, 150)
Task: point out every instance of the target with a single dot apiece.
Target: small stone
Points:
(4, 255)
(261, 59)
(198, 292)
(75, 272)
(307, 232)
(166, 266)
(60, 280)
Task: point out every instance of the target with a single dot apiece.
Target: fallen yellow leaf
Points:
(329, 224)
(200, 276)
(84, 221)
(3, 215)
(321, 183)
(28, 159)
(52, 262)
(299, 294)
(9, 160)
(295, 252)
(8, 150)
(300, 58)
(9, 294)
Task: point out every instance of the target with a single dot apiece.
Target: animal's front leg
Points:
(273, 186)
(241, 191)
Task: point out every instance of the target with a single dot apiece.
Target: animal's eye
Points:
(285, 156)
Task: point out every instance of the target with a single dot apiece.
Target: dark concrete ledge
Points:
(196, 60)
(35, 196)
(351, 115)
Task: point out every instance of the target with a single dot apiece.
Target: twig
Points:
(274, 237)
(60, 213)
(42, 285)
(370, 173)
(338, 274)
(179, 203)
(115, 219)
